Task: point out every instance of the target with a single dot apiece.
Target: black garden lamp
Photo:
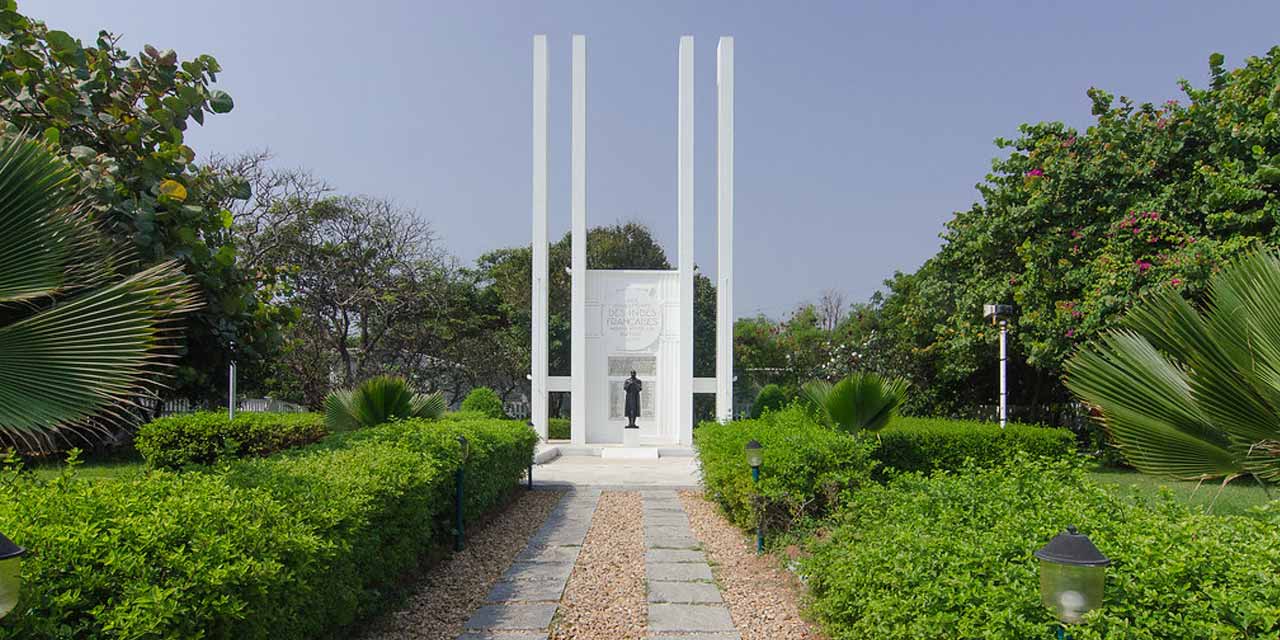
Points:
(1072, 575)
(755, 457)
(458, 479)
(10, 574)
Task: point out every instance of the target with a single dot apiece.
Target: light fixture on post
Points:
(755, 457)
(1072, 576)
(999, 313)
(234, 350)
(459, 477)
(10, 574)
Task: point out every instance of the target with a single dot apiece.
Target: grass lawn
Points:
(113, 467)
(1237, 498)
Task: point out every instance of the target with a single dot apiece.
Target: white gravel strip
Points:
(605, 597)
(763, 598)
(452, 589)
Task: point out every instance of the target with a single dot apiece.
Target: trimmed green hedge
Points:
(806, 466)
(294, 546)
(175, 441)
(558, 429)
(950, 557)
(929, 444)
(484, 400)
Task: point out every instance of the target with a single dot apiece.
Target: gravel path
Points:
(762, 596)
(455, 587)
(605, 597)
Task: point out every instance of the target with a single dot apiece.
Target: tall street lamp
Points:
(10, 574)
(1072, 576)
(755, 457)
(999, 313)
(459, 478)
(234, 350)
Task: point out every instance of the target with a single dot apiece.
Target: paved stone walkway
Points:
(523, 603)
(684, 601)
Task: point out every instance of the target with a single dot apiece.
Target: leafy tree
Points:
(121, 121)
(770, 398)
(484, 400)
(1075, 227)
(80, 346)
(1191, 393)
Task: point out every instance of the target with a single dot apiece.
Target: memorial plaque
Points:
(621, 366)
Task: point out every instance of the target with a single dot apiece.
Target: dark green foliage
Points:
(291, 547)
(806, 467)
(558, 429)
(770, 398)
(928, 444)
(206, 437)
(485, 401)
(861, 401)
(950, 557)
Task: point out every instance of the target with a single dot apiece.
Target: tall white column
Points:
(539, 350)
(724, 229)
(578, 206)
(684, 164)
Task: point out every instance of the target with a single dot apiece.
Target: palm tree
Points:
(859, 402)
(1193, 392)
(79, 345)
(378, 400)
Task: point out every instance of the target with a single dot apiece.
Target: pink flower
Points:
(1175, 282)
(1153, 215)
(1075, 233)
(1143, 265)
(1071, 333)
(1035, 173)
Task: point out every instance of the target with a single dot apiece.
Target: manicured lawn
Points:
(112, 468)
(1237, 498)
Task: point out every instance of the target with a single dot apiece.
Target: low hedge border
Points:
(930, 444)
(290, 547)
(206, 437)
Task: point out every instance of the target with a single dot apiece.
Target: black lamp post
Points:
(1072, 575)
(10, 574)
(755, 456)
(459, 477)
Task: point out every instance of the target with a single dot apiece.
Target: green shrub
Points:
(806, 466)
(770, 398)
(928, 444)
(950, 557)
(484, 400)
(858, 402)
(379, 400)
(291, 547)
(206, 437)
(558, 429)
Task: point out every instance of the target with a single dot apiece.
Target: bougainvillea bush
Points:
(951, 557)
(297, 546)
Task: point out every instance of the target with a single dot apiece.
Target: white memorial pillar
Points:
(684, 164)
(540, 346)
(724, 229)
(578, 207)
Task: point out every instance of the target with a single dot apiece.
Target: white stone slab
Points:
(629, 453)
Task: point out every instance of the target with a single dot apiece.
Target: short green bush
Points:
(484, 400)
(206, 437)
(951, 557)
(807, 466)
(297, 546)
(558, 429)
(928, 444)
(770, 398)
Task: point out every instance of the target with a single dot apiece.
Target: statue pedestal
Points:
(630, 437)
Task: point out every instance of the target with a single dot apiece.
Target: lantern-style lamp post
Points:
(1000, 313)
(10, 574)
(459, 477)
(1072, 575)
(234, 350)
(755, 457)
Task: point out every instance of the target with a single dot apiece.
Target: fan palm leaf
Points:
(1194, 392)
(859, 402)
(377, 400)
(78, 345)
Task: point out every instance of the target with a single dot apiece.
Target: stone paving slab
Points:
(674, 555)
(518, 617)
(549, 554)
(672, 542)
(678, 571)
(733, 635)
(485, 635)
(521, 571)
(684, 592)
(689, 617)
(527, 591)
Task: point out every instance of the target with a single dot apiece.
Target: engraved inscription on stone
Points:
(645, 367)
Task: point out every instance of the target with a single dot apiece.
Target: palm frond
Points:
(859, 402)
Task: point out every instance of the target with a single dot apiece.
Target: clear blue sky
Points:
(861, 126)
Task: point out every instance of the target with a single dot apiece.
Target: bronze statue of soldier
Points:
(631, 386)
